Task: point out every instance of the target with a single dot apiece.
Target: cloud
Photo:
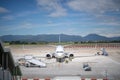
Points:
(26, 13)
(26, 25)
(58, 12)
(94, 6)
(8, 17)
(18, 15)
(53, 7)
(3, 10)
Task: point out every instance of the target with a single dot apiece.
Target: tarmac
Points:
(102, 66)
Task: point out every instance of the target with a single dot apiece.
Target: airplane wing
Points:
(40, 57)
(85, 56)
(44, 56)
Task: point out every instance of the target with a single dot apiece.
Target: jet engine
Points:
(71, 56)
(48, 56)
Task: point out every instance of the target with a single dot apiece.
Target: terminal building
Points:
(9, 70)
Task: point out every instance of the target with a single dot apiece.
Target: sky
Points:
(72, 17)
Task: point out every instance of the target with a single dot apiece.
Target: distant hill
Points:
(54, 38)
(95, 37)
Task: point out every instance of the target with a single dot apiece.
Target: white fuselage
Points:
(59, 52)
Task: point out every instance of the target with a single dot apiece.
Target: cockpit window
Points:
(59, 51)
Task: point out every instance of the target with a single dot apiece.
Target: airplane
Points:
(60, 55)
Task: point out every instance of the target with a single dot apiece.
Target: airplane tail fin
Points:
(59, 39)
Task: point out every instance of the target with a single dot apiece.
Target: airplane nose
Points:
(60, 55)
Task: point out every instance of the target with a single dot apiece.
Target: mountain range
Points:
(55, 37)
